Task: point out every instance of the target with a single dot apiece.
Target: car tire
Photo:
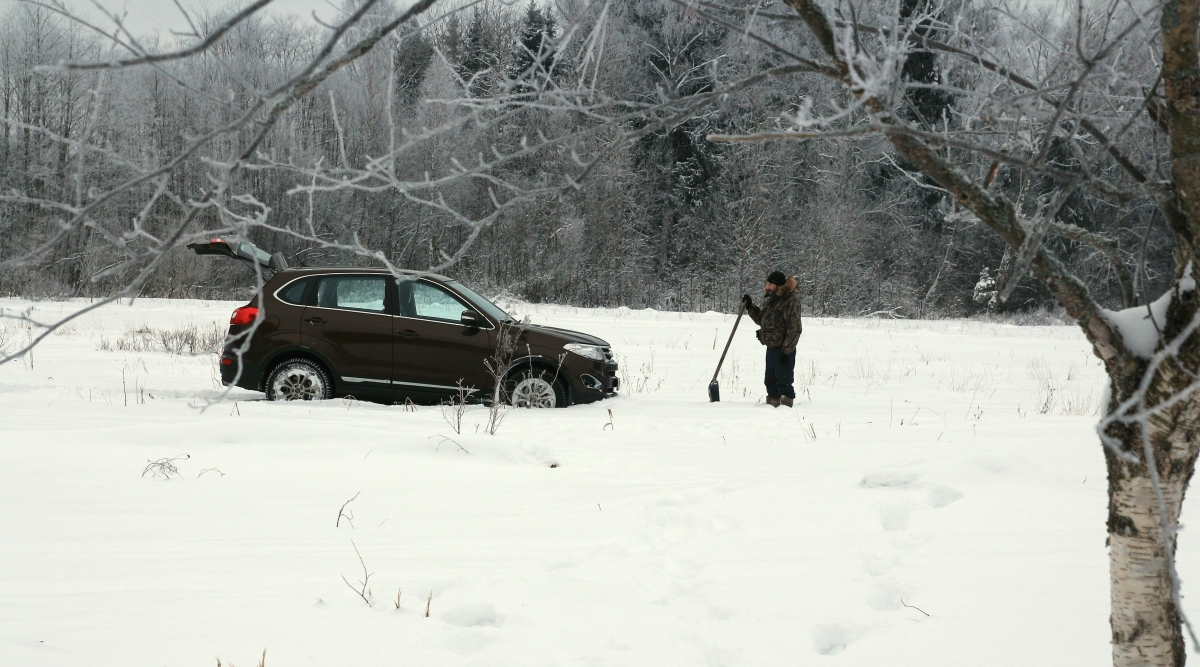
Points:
(299, 379)
(536, 388)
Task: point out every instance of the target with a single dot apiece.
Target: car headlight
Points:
(594, 352)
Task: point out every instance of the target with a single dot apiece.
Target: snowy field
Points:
(937, 497)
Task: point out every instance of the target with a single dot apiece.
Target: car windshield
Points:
(490, 309)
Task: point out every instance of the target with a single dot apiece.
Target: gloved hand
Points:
(787, 352)
(747, 301)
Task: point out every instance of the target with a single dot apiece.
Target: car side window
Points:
(352, 293)
(418, 299)
(296, 293)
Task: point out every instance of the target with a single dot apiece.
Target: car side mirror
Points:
(473, 319)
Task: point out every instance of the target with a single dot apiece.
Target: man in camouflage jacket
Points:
(780, 322)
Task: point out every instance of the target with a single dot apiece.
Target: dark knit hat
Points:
(777, 278)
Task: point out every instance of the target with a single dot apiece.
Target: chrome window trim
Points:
(285, 286)
(456, 295)
(489, 326)
(350, 310)
(319, 276)
(461, 301)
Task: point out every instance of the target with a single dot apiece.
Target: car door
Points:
(433, 350)
(289, 311)
(348, 322)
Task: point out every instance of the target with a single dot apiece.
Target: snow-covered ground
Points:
(936, 497)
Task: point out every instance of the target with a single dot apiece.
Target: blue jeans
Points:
(780, 372)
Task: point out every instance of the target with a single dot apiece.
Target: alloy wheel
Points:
(534, 392)
(298, 383)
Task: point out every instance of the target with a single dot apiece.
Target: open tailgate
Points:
(240, 250)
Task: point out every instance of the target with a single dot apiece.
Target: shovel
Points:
(714, 390)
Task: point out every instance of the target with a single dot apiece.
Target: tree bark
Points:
(1145, 624)
(1181, 79)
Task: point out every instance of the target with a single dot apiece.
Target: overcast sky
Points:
(151, 16)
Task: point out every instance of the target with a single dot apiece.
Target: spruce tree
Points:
(930, 106)
(534, 57)
(478, 54)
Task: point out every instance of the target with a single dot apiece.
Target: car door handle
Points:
(315, 320)
(408, 333)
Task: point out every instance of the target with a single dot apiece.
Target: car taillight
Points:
(244, 315)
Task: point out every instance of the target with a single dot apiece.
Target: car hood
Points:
(566, 335)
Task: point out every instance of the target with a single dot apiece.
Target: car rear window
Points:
(296, 292)
(352, 292)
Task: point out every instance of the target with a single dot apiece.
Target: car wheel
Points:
(299, 380)
(536, 388)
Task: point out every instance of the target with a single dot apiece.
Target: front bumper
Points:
(597, 382)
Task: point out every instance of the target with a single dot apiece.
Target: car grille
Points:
(611, 382)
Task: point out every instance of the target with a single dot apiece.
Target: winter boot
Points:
(773, 401)
(785, 400)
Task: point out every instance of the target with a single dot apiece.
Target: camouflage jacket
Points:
(779, 317)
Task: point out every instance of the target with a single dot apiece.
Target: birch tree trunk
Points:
(1145, 623)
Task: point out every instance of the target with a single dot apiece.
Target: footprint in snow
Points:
(833, 638)
(941, 496)
(471, 616)
(880, 563)
(895, 516)
(890, 480)
(937, 495)
(886, 594)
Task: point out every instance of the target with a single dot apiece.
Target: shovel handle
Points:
(741, 310)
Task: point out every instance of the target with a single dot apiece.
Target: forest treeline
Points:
(671, 221)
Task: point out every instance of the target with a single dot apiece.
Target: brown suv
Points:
(354, 331)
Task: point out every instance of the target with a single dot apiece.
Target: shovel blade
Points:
(714, 392)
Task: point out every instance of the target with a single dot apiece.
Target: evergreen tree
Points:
(451, 39)
(411, 59)
(536, 50)
(929, 105)
(478, 54)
